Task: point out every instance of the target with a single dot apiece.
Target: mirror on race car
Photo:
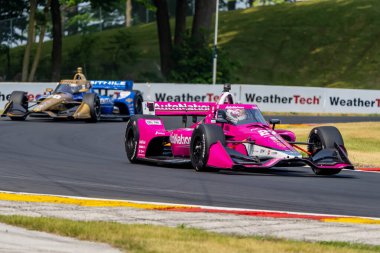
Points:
(274, 122)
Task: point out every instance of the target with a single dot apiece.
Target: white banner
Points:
(268, 98)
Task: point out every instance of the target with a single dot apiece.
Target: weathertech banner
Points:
(268, 97)
(272, 98)
(33, 89)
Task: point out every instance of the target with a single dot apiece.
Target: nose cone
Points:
(51, 101)
(45, 105)
(37, 109)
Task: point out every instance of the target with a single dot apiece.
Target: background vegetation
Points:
(331, 43)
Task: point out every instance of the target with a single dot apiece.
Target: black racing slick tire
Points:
(93, 101)
(19, 100)
(138, 102)
(324, 137)
(204, 135)
(132, 136)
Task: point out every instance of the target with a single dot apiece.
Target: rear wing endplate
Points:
(112, 85)
(178, 108)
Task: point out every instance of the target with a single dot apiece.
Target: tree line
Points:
(185, 56)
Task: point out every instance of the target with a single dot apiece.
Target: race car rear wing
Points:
(178, 108)
(112, 85)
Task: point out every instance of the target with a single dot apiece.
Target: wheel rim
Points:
(97, 109)
(317, 144)
(138, 109)
(131, 142)
(197, 152)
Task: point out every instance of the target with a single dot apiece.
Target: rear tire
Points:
(19, 98)
(201, 140)
(93, 101)
(137, 102)
(324, 137)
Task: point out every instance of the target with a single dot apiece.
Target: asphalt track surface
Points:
(79, 159)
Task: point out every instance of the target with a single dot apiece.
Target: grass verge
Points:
(361, 140)
(148, 238)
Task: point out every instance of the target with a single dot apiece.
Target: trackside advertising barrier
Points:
(267, 97)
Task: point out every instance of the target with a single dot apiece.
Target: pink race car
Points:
(229, 136)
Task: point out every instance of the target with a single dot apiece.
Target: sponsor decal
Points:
(180, 139)
(129, 100)
(160, 133)
(255, 150)
(142, 146)
(276, 99)
(186, 97)
(124, 94)
(108, 82)
(153, 122)
(4, 97)
(356, 102)
(181, 107)
(234, 107)
(105, 100)
(143, 142)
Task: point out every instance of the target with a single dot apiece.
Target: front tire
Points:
(131, 140)
(132, 136)
(19, 100)
(201, 140)
(93, 101)
(324, 137)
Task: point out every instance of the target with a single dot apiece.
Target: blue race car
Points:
(79, 99)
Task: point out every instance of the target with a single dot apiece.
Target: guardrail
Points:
(267, 97)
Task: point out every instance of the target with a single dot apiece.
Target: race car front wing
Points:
(225, 158)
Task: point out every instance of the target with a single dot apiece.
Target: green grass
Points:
(148, 238)
(332, 43)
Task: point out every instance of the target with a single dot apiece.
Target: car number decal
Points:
(55, 96)
(153, 122)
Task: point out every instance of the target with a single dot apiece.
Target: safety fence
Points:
(268, 98)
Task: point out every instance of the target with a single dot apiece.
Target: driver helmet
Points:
(235, 115)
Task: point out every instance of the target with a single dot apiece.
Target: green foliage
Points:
(110, 60)
(193, 64)
(79, 22)
(121, 53)
(82, 54)
(326, 43)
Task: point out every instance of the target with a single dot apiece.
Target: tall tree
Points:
(202, 20)
(204, 10)
(180, 21)
(56, 53)
(30, 41)
(128, 13)
(164, 35)
(42, 21)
